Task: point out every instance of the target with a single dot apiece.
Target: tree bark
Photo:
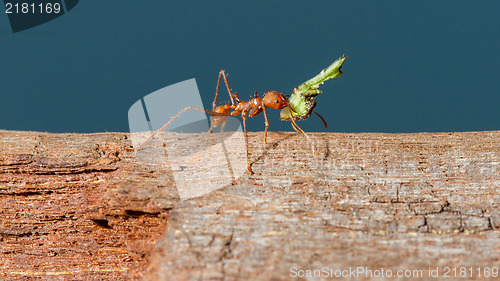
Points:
(83, 207)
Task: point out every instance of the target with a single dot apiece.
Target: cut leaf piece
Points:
(303, 99)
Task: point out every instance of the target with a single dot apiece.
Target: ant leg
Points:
(266, 122)
(177, 115)
(222, 126)
(222, 73)
(214, 104)
(299, 130)
(246, 142)
(231, 95)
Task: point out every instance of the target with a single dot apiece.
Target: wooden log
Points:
(79, 206)
(76, 207)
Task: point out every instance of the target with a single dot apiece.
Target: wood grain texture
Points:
(81, 207)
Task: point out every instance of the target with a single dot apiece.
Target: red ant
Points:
(251, 108)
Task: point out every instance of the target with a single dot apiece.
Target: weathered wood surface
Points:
(81, 207)
(66, 211)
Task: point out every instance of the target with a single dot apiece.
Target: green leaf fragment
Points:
(303, 98)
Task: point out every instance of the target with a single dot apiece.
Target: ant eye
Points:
(276, 101)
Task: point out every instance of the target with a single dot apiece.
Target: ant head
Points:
(274, 100)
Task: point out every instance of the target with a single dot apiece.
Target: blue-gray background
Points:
(412, 67)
